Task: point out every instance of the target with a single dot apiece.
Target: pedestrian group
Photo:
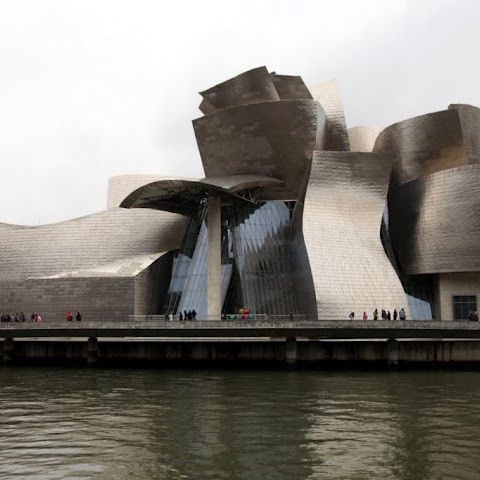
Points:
(385, 315)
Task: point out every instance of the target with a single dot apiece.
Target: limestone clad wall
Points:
(460, 283)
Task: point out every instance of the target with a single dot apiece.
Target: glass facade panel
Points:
(182, 263)
(256, 261)
(464, 306)
(261, 249)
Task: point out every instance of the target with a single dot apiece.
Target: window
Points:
(463, 305)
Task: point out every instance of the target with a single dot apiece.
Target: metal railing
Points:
(262, 317)
(55, 320)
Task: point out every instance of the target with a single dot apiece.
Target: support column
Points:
(291, 351)
(8, 350)
(92, 351)
(214, 264)
(392, 352)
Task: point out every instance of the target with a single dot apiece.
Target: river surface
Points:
(222, 424)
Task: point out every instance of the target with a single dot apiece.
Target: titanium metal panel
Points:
(344, 202)
(362, 138)
(272, 139)
(435, 222)
(253, 86)
(336, 135)
(107, 265)
(434, 191)
(236, 183)
(118, 239)
(423, 145)
(180, 196)
(121, 186)
(470, 124)
(291, 87)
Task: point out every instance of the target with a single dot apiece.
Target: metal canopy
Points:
(179, 196)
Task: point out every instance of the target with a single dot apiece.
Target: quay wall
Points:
(239, 352)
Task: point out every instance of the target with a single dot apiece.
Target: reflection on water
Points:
(181, 424)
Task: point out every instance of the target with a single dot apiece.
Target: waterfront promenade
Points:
(154, 326)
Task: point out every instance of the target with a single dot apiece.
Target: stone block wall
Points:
(98, 299)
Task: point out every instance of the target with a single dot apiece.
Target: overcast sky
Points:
(92, 89)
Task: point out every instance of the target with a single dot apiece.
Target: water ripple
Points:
(129, 424)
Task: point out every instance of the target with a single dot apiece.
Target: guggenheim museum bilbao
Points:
(296, 215)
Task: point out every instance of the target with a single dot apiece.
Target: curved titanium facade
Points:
(87, 243)
(343, 208)
(107, 265)
(173, 194)
(236, 183)
(433, 202)
(253, 86)
(272, 138)
(470, 124)
(260, 123)
(362, 138)
(336, 135)
(424, 145)
(290, 87)
(121, 186)
(435, 222)
(180, 196)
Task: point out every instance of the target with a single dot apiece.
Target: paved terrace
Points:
(146, 327)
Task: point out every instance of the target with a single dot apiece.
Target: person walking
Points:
(365, 316)
(375, 314)
(389, 315)
(69, 316)
(395, 314)
(78, 317)
(402, 314)
(352, 315)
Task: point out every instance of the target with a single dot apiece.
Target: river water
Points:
(222, 424)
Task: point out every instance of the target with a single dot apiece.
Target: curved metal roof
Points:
(179, 196)
(236, 183)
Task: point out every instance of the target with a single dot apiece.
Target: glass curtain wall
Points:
(256, 261)
(188, 285)
(260, 239)
(182, 261)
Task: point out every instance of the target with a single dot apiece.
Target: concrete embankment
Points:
(238, 352)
